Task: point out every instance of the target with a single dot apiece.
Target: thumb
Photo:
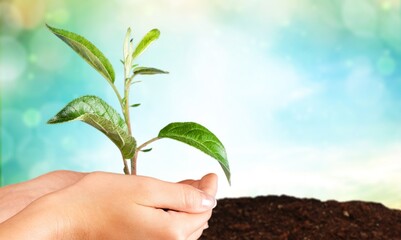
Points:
(176, 196)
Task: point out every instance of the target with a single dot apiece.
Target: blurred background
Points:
(305, 95)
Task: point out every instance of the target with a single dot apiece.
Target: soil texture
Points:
(290, 218)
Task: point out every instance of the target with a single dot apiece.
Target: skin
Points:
(14, 198)
(99, 205)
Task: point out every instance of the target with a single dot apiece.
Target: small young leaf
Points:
(146, 150)
(199, 137)
(148, 71)
(97, 113)
(151, 36)
(127, 40)
(87, 51)
(135, 105)
(128, 50)
(135, 82)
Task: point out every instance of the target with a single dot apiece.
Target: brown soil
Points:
(283, 217)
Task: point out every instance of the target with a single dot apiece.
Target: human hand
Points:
(15, 197)
(113, 206)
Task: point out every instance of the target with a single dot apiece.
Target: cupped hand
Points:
(112, 206)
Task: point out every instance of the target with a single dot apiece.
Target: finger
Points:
(191, 224)
(197, 234)
(59, 178)
(193, 183)
(175, 196)
(188, 181)
(208, 184)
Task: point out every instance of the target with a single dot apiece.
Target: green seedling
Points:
(97, 113)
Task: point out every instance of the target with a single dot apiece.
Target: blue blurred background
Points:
(305, 95)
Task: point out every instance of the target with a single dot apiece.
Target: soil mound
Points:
(290, 218)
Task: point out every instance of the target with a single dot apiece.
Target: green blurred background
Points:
(305, 95)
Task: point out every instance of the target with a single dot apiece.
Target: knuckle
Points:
(95, 175)
(92, 177)
(55, 173)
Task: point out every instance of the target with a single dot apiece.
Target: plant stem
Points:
(133, 160)
(127, 84)
(126, 117)
(133, 163)
(126, 169)
(147, 143)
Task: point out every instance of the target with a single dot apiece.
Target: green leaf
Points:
(148, 71)
(135, 105)
(199, 137)
(151, 36)
(146, 150)
(97, 113)
(89, 52)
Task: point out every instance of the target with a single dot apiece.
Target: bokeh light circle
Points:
(32, 12)
(12, 60)
(386, 65)
(11, 18)
(32, 117)
(59, 16)
(360, 17)
(48, 52)
(388, 31)
(69, 143)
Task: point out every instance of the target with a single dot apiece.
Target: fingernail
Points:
(209, 201)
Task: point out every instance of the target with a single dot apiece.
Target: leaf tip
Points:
(50, 27)
(156, 32)
(51, 121)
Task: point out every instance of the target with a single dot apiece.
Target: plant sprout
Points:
(97, 113)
